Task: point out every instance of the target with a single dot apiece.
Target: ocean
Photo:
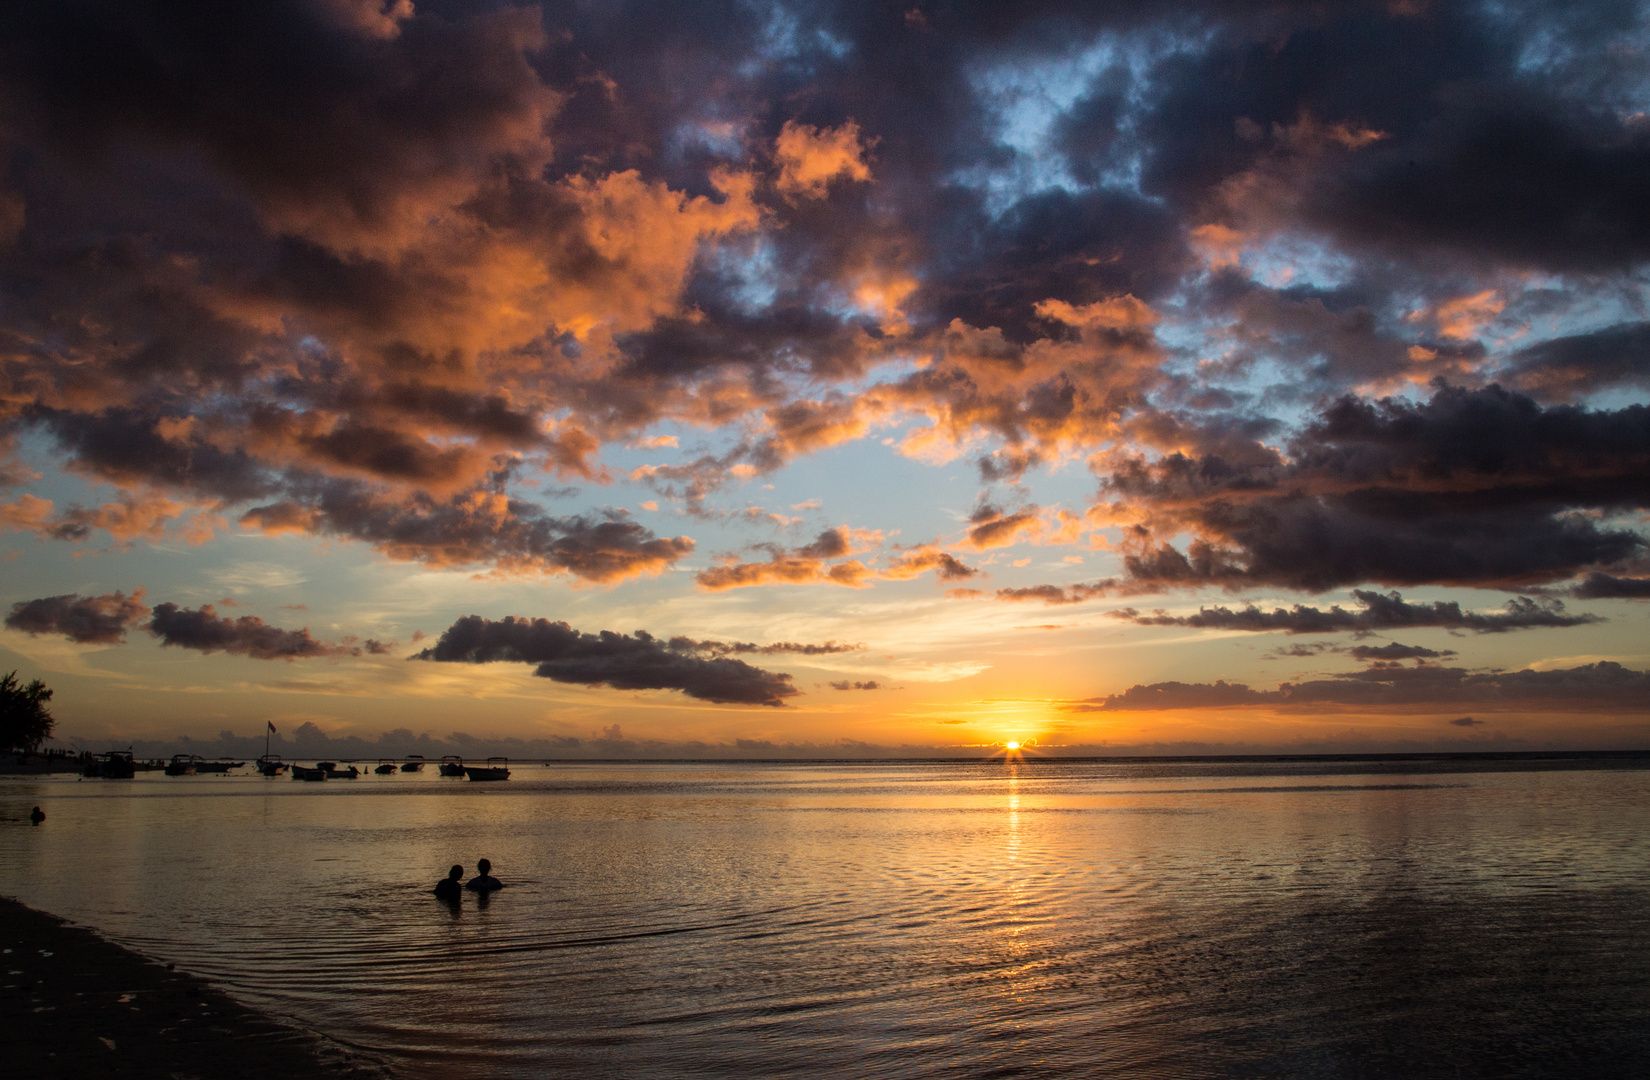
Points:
(1448, 917)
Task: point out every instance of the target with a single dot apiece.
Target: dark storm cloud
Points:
(622, 661)
(733, 648)
(106, 619)
(100, 620)
(1603, 686)
(123, 444)
(481, 527)
(254, 88)
(1596, 586)
(1388, 611)
(207, 631)
(1468, 150)
(1471, 487)
(1530, 181)
(1566, 367)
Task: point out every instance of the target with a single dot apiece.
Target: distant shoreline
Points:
(75, 1004)
(61, 766)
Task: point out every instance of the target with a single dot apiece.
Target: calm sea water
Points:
(1040, 918)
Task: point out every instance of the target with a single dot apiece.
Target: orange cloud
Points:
(809, 158)
(812, 564)
(1463, 317)
(1058, 394)
(994, 529)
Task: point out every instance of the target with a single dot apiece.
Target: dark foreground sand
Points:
(75, 1005)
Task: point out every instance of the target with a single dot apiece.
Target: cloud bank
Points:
(637, 661)
(378, 271)
(1388, 611)
(1602, 687)
(105, 619)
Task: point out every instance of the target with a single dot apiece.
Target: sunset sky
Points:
(828, 378)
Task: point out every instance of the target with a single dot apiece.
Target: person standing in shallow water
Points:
(37, 815)
(484, 881)
(448, 888)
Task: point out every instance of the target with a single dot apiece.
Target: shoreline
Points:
(75, 1004)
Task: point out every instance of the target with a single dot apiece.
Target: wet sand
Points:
(73, 1004)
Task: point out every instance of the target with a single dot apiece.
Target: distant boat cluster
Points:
(121, 765)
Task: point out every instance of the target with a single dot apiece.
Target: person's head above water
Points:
(484, 867)
(456, 872)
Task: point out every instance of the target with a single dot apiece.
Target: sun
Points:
(1012, 746)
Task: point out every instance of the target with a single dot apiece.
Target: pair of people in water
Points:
(483, 882)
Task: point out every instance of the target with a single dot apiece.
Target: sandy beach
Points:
(74, 1004)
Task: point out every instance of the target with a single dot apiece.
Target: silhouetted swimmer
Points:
(37, 815)
(448, 888)
(484, 881)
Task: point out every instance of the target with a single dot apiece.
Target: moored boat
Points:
(414, 763)
(497, 768)
(114, 765)
(271, 765)
(219, 766)
(183, 765)
(335, 773)
(451, 765)
(385, 767)
(301, 773)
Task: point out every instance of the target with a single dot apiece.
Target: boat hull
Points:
(301, 773)
(475, 773)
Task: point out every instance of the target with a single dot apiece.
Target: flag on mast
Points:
(272, 726)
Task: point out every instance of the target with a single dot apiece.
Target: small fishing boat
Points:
(386, 767)
(414, 763)
(270, 764)
(182, 765)
(219, 766)
(451, 765)
(301, 773)
(114, 765)
(335, 773)
(497, 768)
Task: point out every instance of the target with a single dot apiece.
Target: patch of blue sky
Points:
(752, 264)
(1554, 307)
(722, 137)
(37, 451)
(1616, 73)
(785, 39)
(1297, 261)
(1182, 330)
(909, 501)
(1028, 96)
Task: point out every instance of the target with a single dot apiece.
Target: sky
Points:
(827, 379)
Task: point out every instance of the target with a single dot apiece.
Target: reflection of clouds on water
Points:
(895, 919)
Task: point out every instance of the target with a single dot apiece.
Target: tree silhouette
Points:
(25, 722)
